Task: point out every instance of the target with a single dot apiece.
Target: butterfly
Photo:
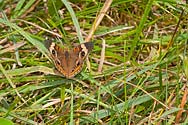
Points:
(69, 62)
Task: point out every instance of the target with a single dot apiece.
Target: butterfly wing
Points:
(79, 54)
(69, 62)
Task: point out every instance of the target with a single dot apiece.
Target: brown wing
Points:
(70, 62)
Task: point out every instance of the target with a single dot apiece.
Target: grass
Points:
(140, 45)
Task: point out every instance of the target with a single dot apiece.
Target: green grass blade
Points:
(74, 19)
(140, 27)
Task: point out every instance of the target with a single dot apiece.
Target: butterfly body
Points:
(69, 62)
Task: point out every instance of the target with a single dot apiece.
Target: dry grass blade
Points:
(13, 47)
(3, 41)
(182, 105)
(98, 19)
(175, 31)
(39, 27)
(96, 24)
(102, 56)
